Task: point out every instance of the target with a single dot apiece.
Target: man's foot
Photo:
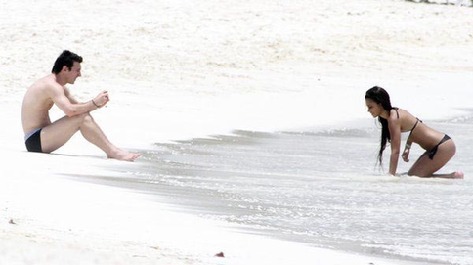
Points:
(123, 155)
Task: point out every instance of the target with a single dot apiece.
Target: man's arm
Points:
(69, 96)
(62, 98)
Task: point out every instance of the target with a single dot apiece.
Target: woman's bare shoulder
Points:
(405, 114)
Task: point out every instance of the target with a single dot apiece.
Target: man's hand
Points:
(101, 99)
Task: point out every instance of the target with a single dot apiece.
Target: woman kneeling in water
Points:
(439, 147)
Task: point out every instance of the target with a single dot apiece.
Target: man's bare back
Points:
(42, 135)
(37, 103)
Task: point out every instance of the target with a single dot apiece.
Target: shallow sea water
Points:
(321, 187)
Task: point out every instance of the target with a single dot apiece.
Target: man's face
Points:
(72, 74)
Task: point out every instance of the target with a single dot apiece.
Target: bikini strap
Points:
(397, 112)
(413, 127)
(415, 124)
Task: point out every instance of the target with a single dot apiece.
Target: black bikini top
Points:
(413, 127)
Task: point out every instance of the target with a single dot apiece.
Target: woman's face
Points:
(374, 108)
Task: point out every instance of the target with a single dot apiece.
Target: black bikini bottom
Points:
(434, 150)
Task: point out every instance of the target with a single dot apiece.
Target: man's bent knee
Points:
(83, 118)
(87, 117)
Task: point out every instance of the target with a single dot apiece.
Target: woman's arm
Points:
(407, 148)
(394, 125)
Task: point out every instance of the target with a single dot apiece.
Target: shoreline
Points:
(44, 236)
(58, 219)
(50, 217)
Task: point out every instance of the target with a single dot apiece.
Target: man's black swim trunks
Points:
(33, 142)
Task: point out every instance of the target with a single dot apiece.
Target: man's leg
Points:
(58, 133)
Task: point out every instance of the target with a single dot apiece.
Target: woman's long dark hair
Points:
(380, 96)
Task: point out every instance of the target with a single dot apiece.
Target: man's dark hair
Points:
(67, 59)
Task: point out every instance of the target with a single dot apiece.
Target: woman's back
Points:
(419, 133)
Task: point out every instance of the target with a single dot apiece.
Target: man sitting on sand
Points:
(44, 136)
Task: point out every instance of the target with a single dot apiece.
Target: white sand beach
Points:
(182, 69)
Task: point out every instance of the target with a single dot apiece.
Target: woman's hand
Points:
(405, 155)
